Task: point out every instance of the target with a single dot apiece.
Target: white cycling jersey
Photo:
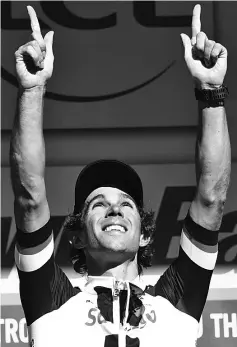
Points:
(104, 312)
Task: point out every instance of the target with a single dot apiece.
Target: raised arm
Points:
(43, 285)
(34, 66)
(186, 282)
(207, 63)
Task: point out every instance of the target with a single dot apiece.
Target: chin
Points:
(121, 249)
(115, 248)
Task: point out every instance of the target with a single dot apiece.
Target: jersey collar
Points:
(89, 282)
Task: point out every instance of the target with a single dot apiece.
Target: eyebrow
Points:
(128, 197)
(102, 196)
(95, 197)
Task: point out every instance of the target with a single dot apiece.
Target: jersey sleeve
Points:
(43, 285)
(186, 282)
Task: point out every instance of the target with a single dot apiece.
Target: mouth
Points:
(115, 227)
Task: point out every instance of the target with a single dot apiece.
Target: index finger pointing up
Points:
(196, 21)
(36, 32)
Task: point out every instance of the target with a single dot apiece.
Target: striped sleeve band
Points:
(34, 249)
(199, 244)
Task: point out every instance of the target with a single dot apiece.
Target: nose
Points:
(114, 210)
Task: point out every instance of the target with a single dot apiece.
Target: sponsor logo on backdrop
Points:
(72, 19)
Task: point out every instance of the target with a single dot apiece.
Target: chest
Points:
(81, 322)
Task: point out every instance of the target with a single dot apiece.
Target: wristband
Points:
(213, 97)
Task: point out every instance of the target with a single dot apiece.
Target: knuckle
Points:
(200, 45)
(29, 44)
(210, 42)
(198, 35)
(201, 39)
(216, 49)
(17, 51)
(34, 44)
(201, 34)
(28, 48)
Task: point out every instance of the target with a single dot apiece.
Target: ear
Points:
(80, 240)
(144, 241)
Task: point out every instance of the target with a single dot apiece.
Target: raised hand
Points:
(205, 59)
(34, 60)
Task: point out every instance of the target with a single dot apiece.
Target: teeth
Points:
(115, 227)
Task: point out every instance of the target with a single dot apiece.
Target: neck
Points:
(126, 271)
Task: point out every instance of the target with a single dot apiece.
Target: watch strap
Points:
(215, 95)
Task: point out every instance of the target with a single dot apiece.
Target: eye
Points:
(126, 203)
(98, 204)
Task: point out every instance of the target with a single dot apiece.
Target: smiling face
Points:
(112, 222)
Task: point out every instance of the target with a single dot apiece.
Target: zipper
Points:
(117, 286)
(116, 306)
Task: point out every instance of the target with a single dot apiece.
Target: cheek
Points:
(136, 222)
(91, 225)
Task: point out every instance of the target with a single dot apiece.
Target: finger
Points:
(208, 46)
(48, 39)
(37, 48)
(33, 19)
(28, 50)
(37, 55)
(35, 37)
(187, 46)
(219, 56)
(218, 51)
(196, 23)
(201, 38)
(36, 32)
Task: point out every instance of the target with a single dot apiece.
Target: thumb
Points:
(187, 46)
(48, 39)
(49, 57)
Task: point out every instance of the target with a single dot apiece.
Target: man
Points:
(112, 306)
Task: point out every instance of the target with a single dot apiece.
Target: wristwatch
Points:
(212, 97)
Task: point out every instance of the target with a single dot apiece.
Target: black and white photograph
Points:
(118, 174)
